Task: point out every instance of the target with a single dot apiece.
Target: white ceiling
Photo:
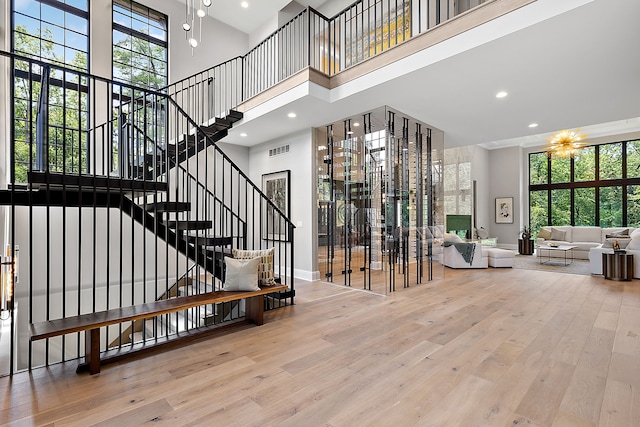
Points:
(251, 18)
(580, 68)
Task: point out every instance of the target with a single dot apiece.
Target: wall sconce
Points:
(8, 278)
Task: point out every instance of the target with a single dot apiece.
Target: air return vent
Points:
(279, 150)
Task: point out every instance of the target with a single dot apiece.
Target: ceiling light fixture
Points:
(533, 125)
(243, 134)
(291, 115)
(565, 143)
(501, 94)
(244, 4)
(190, 19)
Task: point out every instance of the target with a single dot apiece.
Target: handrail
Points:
(364, 29)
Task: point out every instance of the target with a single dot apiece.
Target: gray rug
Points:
(530, 262)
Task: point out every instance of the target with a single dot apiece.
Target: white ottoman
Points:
(499, 257)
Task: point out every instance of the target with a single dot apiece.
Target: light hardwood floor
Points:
(495, 347)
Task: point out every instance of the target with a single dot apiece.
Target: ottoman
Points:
(499, 257)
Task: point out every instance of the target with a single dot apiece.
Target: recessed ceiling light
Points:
(291, 115)
(244, 4)
(501, 94)
(356, 124)
(243, 134)
(350, 132)
(533, 125)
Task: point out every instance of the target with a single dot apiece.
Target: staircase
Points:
(145, 210)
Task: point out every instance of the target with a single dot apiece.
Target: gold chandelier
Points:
(565, 143)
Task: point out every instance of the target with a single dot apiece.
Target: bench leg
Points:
(254, 309)
(92, 350)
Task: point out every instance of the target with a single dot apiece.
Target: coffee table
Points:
(562, 248)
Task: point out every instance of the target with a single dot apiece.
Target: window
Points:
(600, 185)
(139, 45)
(56, 32)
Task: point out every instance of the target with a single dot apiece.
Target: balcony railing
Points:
(328, 45)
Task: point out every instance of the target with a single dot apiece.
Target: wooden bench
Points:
(92, 322)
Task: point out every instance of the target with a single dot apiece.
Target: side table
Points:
(525, 247)
(617, 266)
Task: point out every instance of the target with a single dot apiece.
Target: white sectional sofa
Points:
(585, 238)
(632, 247)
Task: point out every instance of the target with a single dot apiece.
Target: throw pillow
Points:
(544, 234)
(557, 234)
(635, 233)
(622, 241)
(266, 275)
(453, 238)
(241, 275)
(621, 233)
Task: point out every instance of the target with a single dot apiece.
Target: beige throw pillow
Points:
(557, 234)
(265, 267)
(544, 234)
(241, 274)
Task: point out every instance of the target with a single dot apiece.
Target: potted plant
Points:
(525, 244)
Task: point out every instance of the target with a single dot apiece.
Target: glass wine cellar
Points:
(380, 211)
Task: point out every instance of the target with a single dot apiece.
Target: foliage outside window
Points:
(599, 185)
(139, 45)
(57, 33)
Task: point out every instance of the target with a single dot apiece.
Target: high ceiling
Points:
(578, 68)
(252, 17)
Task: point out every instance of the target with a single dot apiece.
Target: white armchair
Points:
(453, 258)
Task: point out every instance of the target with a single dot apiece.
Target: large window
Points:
(55, 32)
(139, 45)
(599, 185)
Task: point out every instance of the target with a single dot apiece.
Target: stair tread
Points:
(97, 182)
(210, 240)
(189, 224)
(169, 207)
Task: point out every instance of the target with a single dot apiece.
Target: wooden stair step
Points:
(210, 240)
(162, 207)
(190, 225)
(234, 116)
(97, 182)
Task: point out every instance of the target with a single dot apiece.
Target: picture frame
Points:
(277, 187)
(504, 210)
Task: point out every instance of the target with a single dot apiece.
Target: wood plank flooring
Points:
(494, 347)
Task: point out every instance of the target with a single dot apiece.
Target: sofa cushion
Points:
(544, 233)
(622, 241)
(557, 234)
(634, 244)
(584, 246)
(587, 234)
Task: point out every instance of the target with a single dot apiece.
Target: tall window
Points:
(55, 32)
(599, 185)
(139, 45)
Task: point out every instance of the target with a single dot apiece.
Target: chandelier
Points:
(190, 20)
(565, 143)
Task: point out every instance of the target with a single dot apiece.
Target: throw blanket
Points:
(466, 250)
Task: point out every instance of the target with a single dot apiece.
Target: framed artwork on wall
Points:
(277, 187)
(504, 210)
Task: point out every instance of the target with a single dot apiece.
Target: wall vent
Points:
(278, 150)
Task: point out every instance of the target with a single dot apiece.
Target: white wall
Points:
(299, 160)
(480, 173)
(505, 167)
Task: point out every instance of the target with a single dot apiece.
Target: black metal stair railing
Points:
(137, 203)
(361, 31)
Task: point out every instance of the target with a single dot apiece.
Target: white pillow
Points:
(634, 244)
(241, 275)
(265, 268)
(635, 233)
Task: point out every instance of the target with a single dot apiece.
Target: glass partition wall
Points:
(380, 210)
